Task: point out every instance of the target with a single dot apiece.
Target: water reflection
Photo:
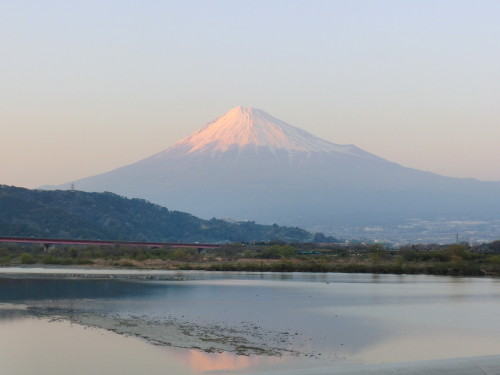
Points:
(60, 347)
(42, 289)
(31, 346)
(360, 317)
(209, 362)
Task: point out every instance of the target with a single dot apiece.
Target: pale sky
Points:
(89, 86)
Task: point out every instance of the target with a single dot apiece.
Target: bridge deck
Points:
(65, 241)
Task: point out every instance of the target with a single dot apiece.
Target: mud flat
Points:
(247, 339)
(211, 338)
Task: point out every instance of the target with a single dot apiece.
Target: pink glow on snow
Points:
(244, 126)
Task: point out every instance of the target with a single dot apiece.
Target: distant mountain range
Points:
(76, 214)
(249, 165)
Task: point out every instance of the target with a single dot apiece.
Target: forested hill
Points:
(80, 215)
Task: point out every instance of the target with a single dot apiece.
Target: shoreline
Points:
(157, 273)
(450, 260)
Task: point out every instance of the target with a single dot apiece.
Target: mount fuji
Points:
(248, 165)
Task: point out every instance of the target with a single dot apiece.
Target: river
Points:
(59, 320)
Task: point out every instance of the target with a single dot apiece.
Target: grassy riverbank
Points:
(447, 260)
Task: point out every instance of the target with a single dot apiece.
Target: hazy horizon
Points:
(90, 87)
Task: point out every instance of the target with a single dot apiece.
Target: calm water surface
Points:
(327, 319)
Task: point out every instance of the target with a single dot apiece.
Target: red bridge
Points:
(64, 241)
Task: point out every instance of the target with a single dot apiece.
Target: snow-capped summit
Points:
(252, 128)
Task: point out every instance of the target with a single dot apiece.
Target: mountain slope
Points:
(249, 165)
(76, 214)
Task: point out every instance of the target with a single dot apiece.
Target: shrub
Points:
(279, 251)
(183, 255)
(5, 259)
(84, 261)
(142, 256)
(126, 264)
(495, 259)
(27, 259)
(49, 259)
(248, 254)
